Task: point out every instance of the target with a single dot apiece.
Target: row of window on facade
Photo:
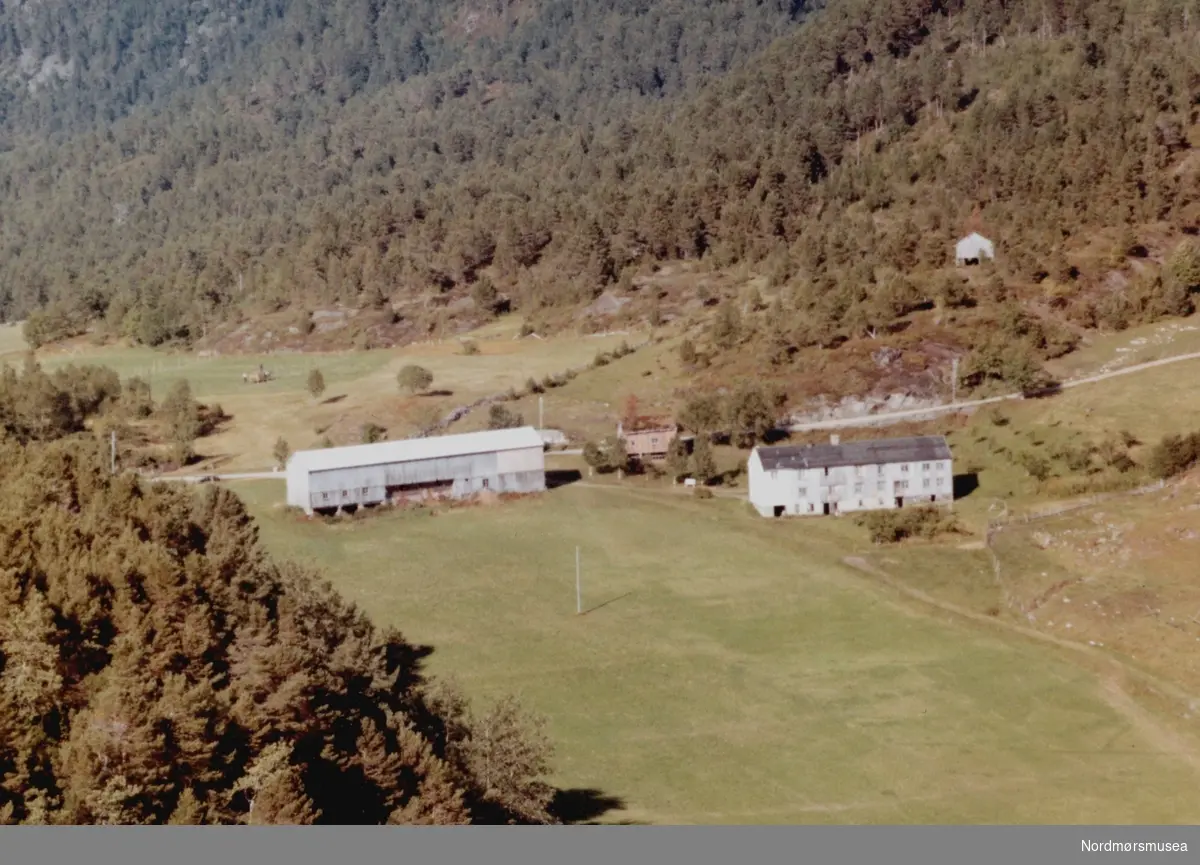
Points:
(881, 486)
(904, 468)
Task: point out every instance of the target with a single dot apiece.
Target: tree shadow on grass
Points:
(333, 399)
(561, 477)
(429, 393)
(580, 805)
(407, 660)
(965, 484)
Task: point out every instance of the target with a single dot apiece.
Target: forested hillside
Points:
(204, 153)
(156, 666)
(549, 150)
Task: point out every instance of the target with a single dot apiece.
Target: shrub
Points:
(370, 433)
(470, 347)
(890, 527)
(607, 455)
(414, 378)
(1174, 455)
(1037, 466)
(500, 417)
(702, 492)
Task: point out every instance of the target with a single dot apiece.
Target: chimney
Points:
(835, 439)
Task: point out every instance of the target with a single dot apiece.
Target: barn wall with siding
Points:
(517, 471)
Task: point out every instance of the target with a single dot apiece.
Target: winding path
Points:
(886, 418)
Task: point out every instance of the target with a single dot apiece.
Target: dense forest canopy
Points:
(265, 155)
(156, 666)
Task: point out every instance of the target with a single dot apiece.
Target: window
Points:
(654, 440)
(826, 471)
(941, 467)
(924, 467)
(858, 488)
(881, 485)
(927, 483)
(860, 503)
(858, 471)
(802, 492)
(485, 483)
(904, 468)
(365, 490)
(345, 494)
(903, 485)
(324, 497)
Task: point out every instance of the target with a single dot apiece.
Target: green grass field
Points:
(360, 386)
(733, 670)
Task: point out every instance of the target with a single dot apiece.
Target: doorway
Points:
(779, 509)
(825, 509)
(899, 501)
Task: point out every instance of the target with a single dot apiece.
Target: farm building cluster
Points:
(840, 478)
(453, 466)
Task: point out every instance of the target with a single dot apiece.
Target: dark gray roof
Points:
(905, 450)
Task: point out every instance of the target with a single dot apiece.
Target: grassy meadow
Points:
(734, 670)
(360, 386)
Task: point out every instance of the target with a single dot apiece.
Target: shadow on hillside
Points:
(556, 478)
(333, 399)
(776, 436)
(438, 393)
(583, 805)
(965, 484)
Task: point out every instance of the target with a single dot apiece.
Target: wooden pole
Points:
(578, 586)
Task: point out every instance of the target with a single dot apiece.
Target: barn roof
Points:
(902, 450)
(409, 450)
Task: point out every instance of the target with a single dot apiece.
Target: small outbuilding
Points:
(973, 249)
(647, 439)
(839, 478)
(454, 466)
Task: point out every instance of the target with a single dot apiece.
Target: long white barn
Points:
(856, 476)
(455, 466)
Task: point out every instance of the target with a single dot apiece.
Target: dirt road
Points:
(886, 418)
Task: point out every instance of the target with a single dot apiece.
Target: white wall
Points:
(850, 488)
(297, 487)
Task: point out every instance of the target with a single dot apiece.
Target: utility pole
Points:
(578, 586)
(541, 413)
(954, 381)
(112, 459)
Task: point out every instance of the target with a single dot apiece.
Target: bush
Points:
(470, 347)
(702, 492)
(370, 433)
(1174, 455)
(1037, 466)
(500, 417)
(891, 527)
(414, 379)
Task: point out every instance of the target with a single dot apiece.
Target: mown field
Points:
(360, 387)
(734, 670)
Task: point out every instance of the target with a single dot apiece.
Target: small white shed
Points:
(973, 249)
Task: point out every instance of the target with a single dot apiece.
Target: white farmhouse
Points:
(454, 466)
(857, 476)
(973, 249)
